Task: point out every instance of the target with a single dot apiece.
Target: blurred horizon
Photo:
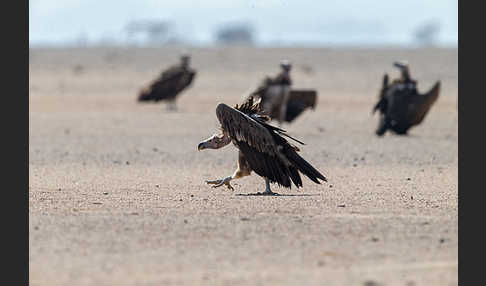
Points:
(263, 23)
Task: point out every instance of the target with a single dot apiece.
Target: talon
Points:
(229, 186)
(219, 183)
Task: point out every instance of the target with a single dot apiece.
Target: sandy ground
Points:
(117, 193)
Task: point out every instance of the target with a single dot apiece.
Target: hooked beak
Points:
(201, 146)
(400, 65)
(213, 142)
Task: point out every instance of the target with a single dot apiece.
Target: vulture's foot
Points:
(268, 191)
(171, 106)
(219, 183)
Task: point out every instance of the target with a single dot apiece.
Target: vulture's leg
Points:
(226, 181)
(268, 191)
(219, 183)
(171, 106)
(242, 171)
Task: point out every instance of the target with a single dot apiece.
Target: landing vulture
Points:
(169, 84)
(262, 148)
(279, 101)
(400, 105)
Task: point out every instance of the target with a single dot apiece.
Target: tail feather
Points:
(307, 168)
(294, 175)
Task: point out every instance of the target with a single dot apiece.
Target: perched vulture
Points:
(279, 101)
(170, 83)
(262, 148)
(400, 105)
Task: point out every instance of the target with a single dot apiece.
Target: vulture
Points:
(263, 148)
(298, 101)
(170, 83)
(400, 105)
(279, 101)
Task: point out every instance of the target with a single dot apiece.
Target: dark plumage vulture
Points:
(279, 101)
(298, 101)
(169, 84)
(262, 148)
(400, 105)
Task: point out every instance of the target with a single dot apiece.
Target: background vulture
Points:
(170, 83)
(262, 148)
(279, 101)
(298, 100)
(400, 105)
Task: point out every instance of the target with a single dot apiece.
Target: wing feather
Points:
(241, 127)
(424, 102)
(299, 101)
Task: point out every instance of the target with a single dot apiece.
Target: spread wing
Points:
(241, 127)
(382, 102)
(299, 101)
(168, 85)
(424, 102)
(266, 151)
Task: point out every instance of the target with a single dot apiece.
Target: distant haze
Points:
(274, 22)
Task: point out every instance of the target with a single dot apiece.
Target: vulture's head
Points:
(214, 142)
(400, 64)
(286, 65)
(403, 66)
(185, 60)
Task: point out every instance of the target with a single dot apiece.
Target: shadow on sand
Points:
(275, 195)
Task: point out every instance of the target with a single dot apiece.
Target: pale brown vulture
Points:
(169, 84)
(262, 148)
(281, 102)
(400, 105)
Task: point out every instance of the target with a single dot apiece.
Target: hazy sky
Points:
(285, 21)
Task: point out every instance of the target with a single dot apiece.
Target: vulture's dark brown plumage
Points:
(401, 106)
(262, 148)
(169, 84)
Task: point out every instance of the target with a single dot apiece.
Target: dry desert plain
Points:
(117, 193)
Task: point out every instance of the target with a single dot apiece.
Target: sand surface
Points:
(117, 193)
